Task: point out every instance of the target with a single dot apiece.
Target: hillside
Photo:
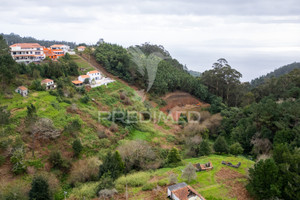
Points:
(276, 73)
(138, 134)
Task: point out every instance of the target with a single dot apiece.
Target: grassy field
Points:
(206, 182)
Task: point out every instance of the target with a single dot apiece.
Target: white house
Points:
(81, 48)
(95, 79)
(94, 75)
(182, 191)
(27, 52)
(83, 77)
(49, 83)
(63, 47)
(22, 91)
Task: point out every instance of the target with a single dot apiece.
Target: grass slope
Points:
(206, 182)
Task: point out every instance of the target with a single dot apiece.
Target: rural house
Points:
(22, 91)
(182, 191)
(81, 48)
(77, 83)
(83, 77)
(49, 83)
(27, 52)
(64, 48)
(95, 79)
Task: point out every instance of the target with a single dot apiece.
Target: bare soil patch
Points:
(230, 179)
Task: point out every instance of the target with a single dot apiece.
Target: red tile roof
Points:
(57, 45)
(47, 80)
(81, 47)
(26, 45)
(93, 72)
(22, 88)
(77, 82)
(85, 76)
(183, 193)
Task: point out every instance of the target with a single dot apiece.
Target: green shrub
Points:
(149, 186)
(2, 160)
(134, 180)
(85, 99)
(87, 191)
(35, 163)
(220, 145)
(39, 189)
(204, 148)
(236, 149)
(163, 182)
(77, 147)
(18, 161)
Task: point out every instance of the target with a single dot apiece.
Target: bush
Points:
(87, 191)
(15, 190)
(107, 193)
(162, 182)
(134, 180)
(149, 186)
(173, 156)
(204, 148)
(189, 173)
(39, 189)
(112, 164)
(236, 149)
(106, 182)
(85, 99)
(18, 161)
(84, 170)
(56, 159)
(2, 160)
(77, 147)
(173, 178)
(220, 145)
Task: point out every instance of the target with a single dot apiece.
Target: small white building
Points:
(94, 75)
(83, 77)
(95, 79)
(81, 48)
(182, 191)
(49, 83)
(22, 91)
(63, 47)
(27, 52)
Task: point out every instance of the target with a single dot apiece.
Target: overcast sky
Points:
(255, 36)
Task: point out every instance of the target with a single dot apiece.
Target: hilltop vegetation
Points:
(275, 74)
(14, 38)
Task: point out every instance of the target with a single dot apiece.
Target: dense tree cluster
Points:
(14, 38)
(115, 59)
(275, 74)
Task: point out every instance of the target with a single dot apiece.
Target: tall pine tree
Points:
(39, 189)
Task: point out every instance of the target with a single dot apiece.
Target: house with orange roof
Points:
(94, 78)
(27, 52)
(81, 48)
(94, 75)
(83, 77)
(49, 53)
(49, 83)
(22, 91)
(182, 191)
(77, 83)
